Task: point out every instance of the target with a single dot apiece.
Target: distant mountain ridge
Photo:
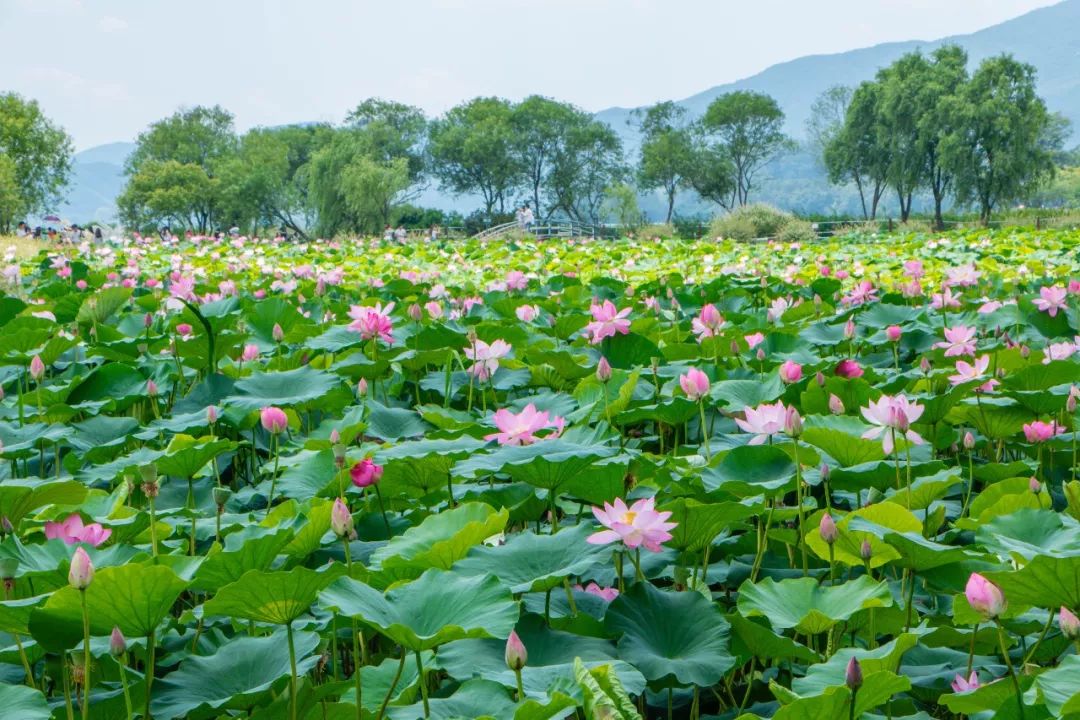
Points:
(1048, 38)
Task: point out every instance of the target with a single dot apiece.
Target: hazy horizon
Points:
(113, 67)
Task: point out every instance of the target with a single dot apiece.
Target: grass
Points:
(25, 247)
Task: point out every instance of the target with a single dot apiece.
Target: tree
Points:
(472, 150)
(11, 200)
(827, 116)
(372, 188)
(749, 127)
(541, 126)
(860, 151)
(621, 204)
(585, 165)
(997, 147)
(711, 174)
(173, 171)
(666, 150)
(39, 151)
(946, 73)
(388, 130)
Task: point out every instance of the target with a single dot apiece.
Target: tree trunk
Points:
(670, 206)
(862, 195)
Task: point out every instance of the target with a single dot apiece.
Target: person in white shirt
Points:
(527, 218)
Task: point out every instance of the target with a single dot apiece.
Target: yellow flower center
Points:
(628, 517)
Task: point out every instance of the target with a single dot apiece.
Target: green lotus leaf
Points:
(808, 607)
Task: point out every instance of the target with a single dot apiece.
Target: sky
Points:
(105, 69)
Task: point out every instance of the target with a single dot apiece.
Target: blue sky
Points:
(105, 69)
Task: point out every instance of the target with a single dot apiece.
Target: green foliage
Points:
(40, 153)
(666, 150)
(751, 222)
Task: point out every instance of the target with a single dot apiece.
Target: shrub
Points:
(750, 222)
(795, 230)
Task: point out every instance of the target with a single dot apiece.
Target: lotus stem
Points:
(150, 649)
(292, 673)
(423, 684)
(120, 661)
(1012, 670)
(357, 659)
(704, 430)
(520, 688)
(86, 656)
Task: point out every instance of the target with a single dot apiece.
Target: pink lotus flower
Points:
(790, 372)
(250, 353)
(373, 322)
(764, 421)
(753, 340)
(365, 473)
(913, 269)
(516, 280)
(962, 685)
(274, 420)
(184, 330)
(959, 340)
(1052, 299)
(695, 384)
(607, 322)
(81, 572)
(1039, 431)
(849, 369)
(605, 593)
(945, 299)
(1058, 351)
(73, 531)
(521, 429)
(708, 323)
(1068, 623)
(966, 372)
(777, 309)
(863, 292)
(434, 309)
(182, 288)
(486, 358)
(527, 313)
(635, 526)
(984, 597)
(892, 416)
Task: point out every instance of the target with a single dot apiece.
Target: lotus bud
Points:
(849, 329)
(277, 333)
(1, 393)
(1034, 485)
(819, 378)
(824, 471)
(924, 365)
(969, 441)
(603, 370)
(81, 573)
(793, 424)
(865, 550)
(5, 525)
(836, 405)
(1069, 623)
(760, 354)
(37, 368)
(335, 436)
(1025, 352)
(790, 372)
(339, 455)
(1070, 404)
(151, 388)
(365, 473)
(817, 301)
(148, 320)
(893, 332)
(361, 387)
(274, 420)
(416, 312)
(984, 597)
(516, 654)
(853, 675)
(117, 643)
(341, 521)
(827, 529)
(470, 335)
(211, 415)
(734, 347)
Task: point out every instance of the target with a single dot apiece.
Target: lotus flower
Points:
(959, 340)
(849, 369)
(753, 340)
(960, 684)
(945, 299)
(894, 414)
(708, 323)
(639, 525)
(764, 421)
(1058, 351)
(486, 358)
(1069, 623)
(605, 593)
(73, 531)
(521, 429)
(274, 420)
(984, 597)
(81, 572)
(527, 313)
(373, 323)
(1051, 300)
(365, 473)
(250, 353)
(607, 322)
(967, 372)
(695, 384)
(1039, 431)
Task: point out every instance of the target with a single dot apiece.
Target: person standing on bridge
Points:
(527, 218)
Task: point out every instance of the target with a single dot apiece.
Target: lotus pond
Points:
(651, 479)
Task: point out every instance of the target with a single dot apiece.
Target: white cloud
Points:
(112, 24)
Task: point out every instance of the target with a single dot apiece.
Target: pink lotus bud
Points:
(603, 370)
(853, 675)
(790, 372)
(277, 333)
(893, 332)
(1070, 404)
(984, 597)
(274, 420)
(184, 329)
(961, 684)
(760, 354)
(849, 329)
(793, 424)
(710, 316)
(1025, 352)
(1034, 485)
(734, 347)
(81, 573)
(969, 441)
(836, 405)
(817, 301)
(865, 550)
(365, 473)
(415, 312)
(117, 643)
(848, 369)
(819, 378)
(148, 320)
(361, 387)
(37, 368)
(824, 471)
(211, 414)
(695, 384)
(335, 436)
(827, 529)
(341, 521)
(924, 365)
(1069, 623)
(516, 654)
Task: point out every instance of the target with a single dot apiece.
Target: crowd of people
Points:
(71, 233)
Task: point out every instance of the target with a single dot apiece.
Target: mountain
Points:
(1047, 38)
